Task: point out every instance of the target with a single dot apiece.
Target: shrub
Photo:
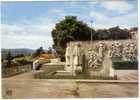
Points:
(125, 65)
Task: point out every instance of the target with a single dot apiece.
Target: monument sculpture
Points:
(68, 57)
(94, 60)
(77, 61)
(107, 63)
(130, 52)
(101, 49)
(117, 50)
(73, 59)
(125, 52)
(99, 56)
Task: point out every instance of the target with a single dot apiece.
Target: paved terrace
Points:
(24, 86)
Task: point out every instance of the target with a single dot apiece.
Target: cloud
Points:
(98, 16)
(56, 11)
(42, 27)
(129, 19)
(29, 34)
(104, 21)
(119, 6)
(103, 26)
(22, 41)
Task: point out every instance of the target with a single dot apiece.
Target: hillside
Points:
(15, 52)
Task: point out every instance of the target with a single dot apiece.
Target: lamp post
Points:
(91, 31)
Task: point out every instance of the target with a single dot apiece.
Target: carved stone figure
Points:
(90, 58)
(77, 61)
(97, 63)
(117, 49)
(67, 55)
(125, 52)
(130, 52)
(107, 63)
(101, 49)
(94, 60)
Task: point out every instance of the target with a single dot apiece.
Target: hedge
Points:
(125, 65)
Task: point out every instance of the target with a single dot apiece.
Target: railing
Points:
(13, 70)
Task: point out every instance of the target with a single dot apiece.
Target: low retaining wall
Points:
(75, 80)
(108, 81)
(52, 67)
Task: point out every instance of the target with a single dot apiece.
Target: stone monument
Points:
(99, 56)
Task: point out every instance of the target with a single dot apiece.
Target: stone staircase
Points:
(63, 73)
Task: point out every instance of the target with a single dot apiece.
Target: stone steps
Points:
(62, 73)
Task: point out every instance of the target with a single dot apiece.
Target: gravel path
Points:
(127, 74)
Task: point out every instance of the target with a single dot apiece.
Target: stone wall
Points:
(121, 48)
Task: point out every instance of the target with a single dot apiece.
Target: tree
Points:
(102, 35)
(69, 29)
(9, 59)
(114, 33)
(50, 50)
(38, 52)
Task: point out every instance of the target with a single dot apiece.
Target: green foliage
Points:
(38, 52)
(9, 56)
(114, 33)
(12, 61)
(19, 55)
(125, 65)
(9, 59)
(22, 60)
(69, 29)
(50, 50)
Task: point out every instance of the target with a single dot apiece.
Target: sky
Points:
(29, 24)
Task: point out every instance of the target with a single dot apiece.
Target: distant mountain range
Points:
(15, 52)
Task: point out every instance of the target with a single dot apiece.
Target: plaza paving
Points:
(127, 74)
(24, 86)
